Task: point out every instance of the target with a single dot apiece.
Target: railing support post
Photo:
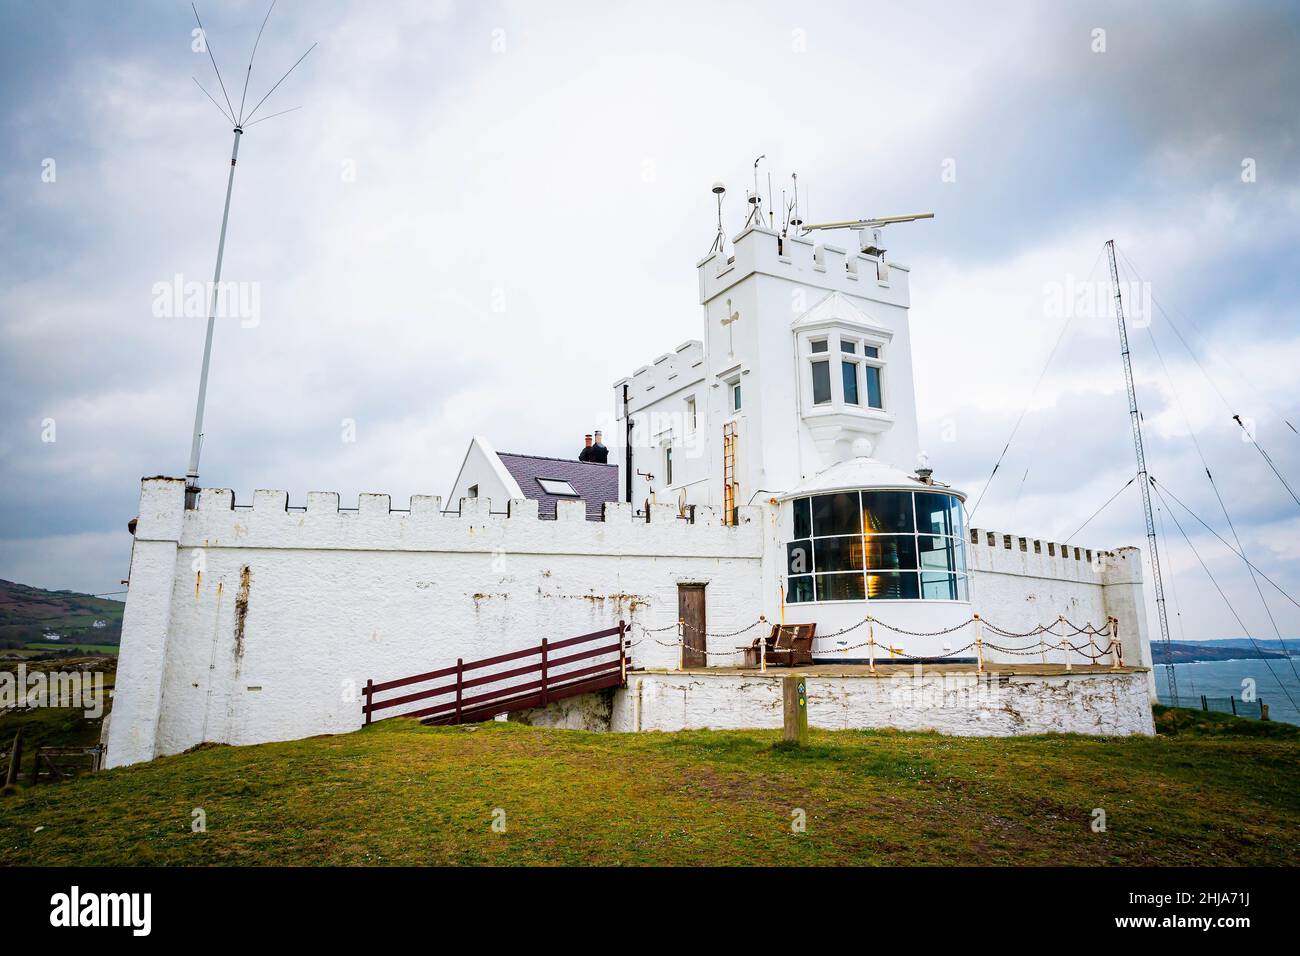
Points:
(460, 672)
(370, 693)
(544, 697)
(871, 645)
(979, 643)
(681, 643)
(622, 653)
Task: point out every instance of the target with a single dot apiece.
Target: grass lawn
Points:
(397, 792)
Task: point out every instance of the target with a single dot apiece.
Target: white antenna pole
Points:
(192, 473)
(241, 121)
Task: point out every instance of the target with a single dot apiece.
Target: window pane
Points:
(937, 553)
(893, 586)
(798, 590)
(849, 371)
(873, 387)
(934, 513)
(848, 346)
(961, 556)
(888, 552)
(735, 398)
(889, 512)
(837, 514)
(798, 557)
(870, 351)
(553, 486)
(802, 517)
(838, 554)
(939, 587)
(840, 587)
(963, 588)
(819, 345)
(821, 382)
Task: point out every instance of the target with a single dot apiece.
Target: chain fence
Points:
(1092, 651)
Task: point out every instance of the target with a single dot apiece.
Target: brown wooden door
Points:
(690, 608)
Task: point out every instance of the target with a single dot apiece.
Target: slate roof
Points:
(594, 483)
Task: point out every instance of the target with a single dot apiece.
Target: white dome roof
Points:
(863, 473)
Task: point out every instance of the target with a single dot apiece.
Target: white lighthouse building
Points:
(766, 474)
(800, 396)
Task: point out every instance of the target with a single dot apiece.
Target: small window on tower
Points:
(735, 397)
(691, 420)
(668, 465)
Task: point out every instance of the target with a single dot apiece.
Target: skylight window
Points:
(557, 486)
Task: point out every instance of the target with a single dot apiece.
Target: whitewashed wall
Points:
(245, 626)
(1019, 582)
(1108, 704)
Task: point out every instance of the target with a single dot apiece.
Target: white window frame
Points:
(834, 355)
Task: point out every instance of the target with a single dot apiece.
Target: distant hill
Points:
(1189, 652)
(1292, 644)
(35, 622)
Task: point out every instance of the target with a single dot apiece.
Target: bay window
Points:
(876, 545)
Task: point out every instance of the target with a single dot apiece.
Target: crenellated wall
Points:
(1020, 582)
(246, 625)
(251, 623)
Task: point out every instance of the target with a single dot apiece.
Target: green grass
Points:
(1174, 721)
(401, 793)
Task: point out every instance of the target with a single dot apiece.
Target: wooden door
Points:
(690, 609)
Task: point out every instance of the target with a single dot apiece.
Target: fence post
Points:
(15, 758)
(622, 653)
(794, 698)
(1065, 649)
(1232, 700)
(370, 693)
(1114, 642)
(979, 643)
(544, 698)
(681, 642)
(460, 670)
(1205, 704)
(871, 645)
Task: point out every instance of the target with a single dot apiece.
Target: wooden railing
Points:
(449, 703)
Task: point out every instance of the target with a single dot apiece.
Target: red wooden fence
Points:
(537, 692)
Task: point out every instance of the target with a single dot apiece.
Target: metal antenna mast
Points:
(1144, 479)
(240, 121)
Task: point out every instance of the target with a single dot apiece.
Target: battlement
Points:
(1017, 554)
(680, 368)
(821, 265)
(475, 524)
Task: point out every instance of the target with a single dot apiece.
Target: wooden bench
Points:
(788, 645)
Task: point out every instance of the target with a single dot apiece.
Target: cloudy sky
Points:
(485, 214)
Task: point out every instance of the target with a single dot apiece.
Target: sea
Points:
(1274, 680)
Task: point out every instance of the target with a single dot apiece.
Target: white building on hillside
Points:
(767, 473)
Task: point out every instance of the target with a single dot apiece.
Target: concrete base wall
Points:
(1101, 704)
